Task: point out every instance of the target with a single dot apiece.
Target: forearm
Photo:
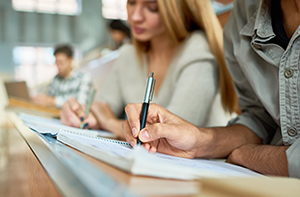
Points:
(265, 159)
(223, 140)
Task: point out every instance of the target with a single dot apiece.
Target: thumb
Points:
(155, 131)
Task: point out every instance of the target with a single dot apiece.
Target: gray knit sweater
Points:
(190, 87)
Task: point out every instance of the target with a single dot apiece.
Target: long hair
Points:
(180, 18)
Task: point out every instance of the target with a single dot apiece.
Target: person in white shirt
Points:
(67, 83)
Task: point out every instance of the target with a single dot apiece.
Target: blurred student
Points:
(67, 83)
(181, 42)
(119, 32)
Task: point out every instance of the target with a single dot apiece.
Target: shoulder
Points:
(127, 58)
(240, 25)
(83, 76)
(243, 11)
(127, 50)
(194, 48)
(197, 41)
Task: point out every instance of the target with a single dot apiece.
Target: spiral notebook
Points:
(51, 126)
(140, 162)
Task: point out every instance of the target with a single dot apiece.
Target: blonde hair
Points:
(180, 18)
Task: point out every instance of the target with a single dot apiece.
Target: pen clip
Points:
(152, 89)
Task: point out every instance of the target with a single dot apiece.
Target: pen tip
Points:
(151, 74)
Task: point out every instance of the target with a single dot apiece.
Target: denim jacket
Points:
(266, 77)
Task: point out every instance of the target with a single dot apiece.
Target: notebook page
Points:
(42, 130)
(160, 165)
(116, 147)
(54, 125)
(216, 166)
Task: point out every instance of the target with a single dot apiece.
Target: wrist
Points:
(115, 126)
(108, 124)
(204, 146)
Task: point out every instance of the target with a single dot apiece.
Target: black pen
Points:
(147, 98)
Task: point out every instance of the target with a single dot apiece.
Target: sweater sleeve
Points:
(111, 92)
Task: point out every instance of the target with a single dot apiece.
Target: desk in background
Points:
(19, 105)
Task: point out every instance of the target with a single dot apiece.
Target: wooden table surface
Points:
(19, 105)
(22, 174)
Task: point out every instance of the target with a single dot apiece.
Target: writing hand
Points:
(72, 113)
(164, 132)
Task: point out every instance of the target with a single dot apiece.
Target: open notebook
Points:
(140, 162)
(52, 126)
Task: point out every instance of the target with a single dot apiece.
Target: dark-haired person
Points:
(67, 83)
(262, 50)
(119, 32)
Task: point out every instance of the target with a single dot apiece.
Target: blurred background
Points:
(30, 30)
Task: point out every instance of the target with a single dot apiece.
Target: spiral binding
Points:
(98, 138)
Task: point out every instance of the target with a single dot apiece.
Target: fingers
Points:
(68, 117)
(156, 131)
(91, 122)
(174, 134)
(153, 149)
(76, 107)
(133, 112)
(128, 133)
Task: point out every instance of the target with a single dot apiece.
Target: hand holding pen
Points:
(87, 110)
(147, 98)
(73, 114)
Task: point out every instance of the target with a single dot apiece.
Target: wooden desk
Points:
(28, 168)
(20, 105)
(29, 165)
(21, 174)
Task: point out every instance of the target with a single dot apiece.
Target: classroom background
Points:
(30, 29)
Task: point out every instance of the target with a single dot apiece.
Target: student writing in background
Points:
(181, 42)
(119, 32)
(67, 83)
(262, 40)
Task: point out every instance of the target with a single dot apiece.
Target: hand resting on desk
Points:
(44, 100)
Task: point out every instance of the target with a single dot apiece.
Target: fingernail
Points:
(132, 143)
(144, 135)
(134, 132)
(85, 125)
(82, 119)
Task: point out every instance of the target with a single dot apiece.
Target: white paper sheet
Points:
(145, 163)
(42, 125)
